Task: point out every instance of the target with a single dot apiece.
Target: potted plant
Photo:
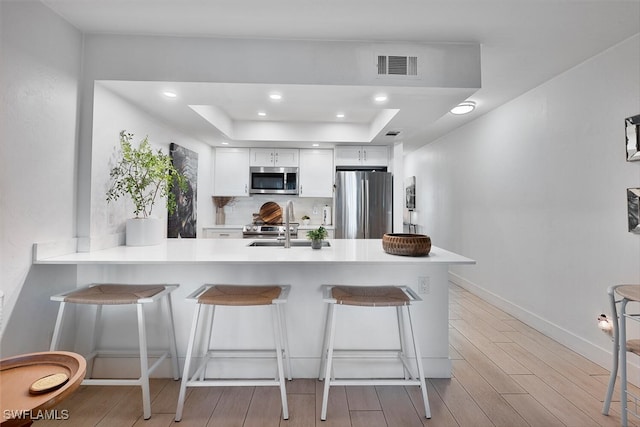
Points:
(317, 236)
(305, 219)
(144, 175)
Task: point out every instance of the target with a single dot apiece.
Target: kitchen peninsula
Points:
(193, 262)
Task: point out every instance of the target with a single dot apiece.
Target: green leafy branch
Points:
(143, 175)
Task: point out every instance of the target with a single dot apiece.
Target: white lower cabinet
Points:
(222, 233)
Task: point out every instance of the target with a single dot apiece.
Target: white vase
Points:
(144, 231)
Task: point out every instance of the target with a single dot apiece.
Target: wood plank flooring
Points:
(504, 374)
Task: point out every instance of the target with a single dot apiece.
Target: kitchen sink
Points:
(280, 243)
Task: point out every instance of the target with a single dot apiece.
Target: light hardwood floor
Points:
(504, 374)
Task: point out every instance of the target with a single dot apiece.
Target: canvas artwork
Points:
(633, 209)
(183, 222)
(410, 193)
(632, 137)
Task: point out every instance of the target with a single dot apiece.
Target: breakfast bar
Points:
(191, 263)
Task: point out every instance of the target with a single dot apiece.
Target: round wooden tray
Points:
(406, 244)
(271, 213)
(18, 373)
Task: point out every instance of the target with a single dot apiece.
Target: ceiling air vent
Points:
(393, 133)
(394, 65)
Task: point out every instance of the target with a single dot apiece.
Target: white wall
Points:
(111, 115)
(40, 67)
(535, 191)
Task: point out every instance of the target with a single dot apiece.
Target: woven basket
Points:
(406, 244)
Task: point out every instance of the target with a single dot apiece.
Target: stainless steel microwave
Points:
(273, 180)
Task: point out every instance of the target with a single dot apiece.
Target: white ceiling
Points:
(524, 43)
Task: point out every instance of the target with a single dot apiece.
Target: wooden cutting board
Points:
(271, 213)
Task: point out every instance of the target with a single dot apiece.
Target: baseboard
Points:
(129, 367)
(585, 348)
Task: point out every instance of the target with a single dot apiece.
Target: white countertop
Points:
(203, 251)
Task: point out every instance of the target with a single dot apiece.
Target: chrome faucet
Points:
(288, 215)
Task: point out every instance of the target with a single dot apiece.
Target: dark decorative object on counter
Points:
(317, 236)
(183, 221)
(406, 244)
(632, 137)
(633, 209)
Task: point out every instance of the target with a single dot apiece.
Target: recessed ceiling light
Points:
(315, 145)
(340, 115)
(380, 98)
(275, 96)
(463, 108)
(169, 94)
(225, 143)
(262, 113)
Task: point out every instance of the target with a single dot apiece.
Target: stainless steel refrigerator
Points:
(364, 204)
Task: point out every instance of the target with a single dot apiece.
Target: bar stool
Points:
(370, 297)
(627, 293)
(119, 294)
(211, 296)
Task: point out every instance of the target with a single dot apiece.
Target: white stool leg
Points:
(623, 362)
(325, 341)
(331, 318)
(416, 346)
(615, 352)
(173, 347)
(55, 340)
(205, 341)
(95, 339)
(187, 362)
(282, 315)
(277, 335)
(403, 345)
(144, 363)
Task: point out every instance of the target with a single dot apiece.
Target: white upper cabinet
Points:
(283, 157)
(362, 155)
(231, 172)
(316, 173)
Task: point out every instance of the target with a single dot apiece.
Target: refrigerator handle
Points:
(365, 197)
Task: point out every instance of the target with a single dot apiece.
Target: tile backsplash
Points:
(241, 210)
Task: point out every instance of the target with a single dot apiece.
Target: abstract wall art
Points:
(183, 222)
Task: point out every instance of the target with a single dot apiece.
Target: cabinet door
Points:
(231, 172)
(262, 157)
(348, 155)
(286, 157)
(316, 173)
(375, 156)
(222, 233)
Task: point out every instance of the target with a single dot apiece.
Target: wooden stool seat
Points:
(207, 298)
(239, 295)
(629, 292)
(370, 296)
(113, 294)
(108, 294)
